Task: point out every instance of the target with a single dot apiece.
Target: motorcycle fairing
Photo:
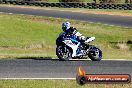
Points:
(68, 42)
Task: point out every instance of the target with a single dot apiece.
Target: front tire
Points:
(95, 54)
(64, 53)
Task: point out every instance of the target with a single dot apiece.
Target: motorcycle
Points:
(65, 48)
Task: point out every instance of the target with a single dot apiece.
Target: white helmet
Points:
(65, 26)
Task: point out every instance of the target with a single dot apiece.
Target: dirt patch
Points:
(122, 46)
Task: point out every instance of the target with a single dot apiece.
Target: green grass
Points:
(34, 36)
(55, 84)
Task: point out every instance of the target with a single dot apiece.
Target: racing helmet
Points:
(65, 26)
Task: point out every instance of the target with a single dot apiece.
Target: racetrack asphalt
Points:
(125, 21)
(53, 68)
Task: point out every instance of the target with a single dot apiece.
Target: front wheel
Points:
(63, 52)
(95, 54)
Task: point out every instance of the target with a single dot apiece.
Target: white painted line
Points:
(1, 12)
(39, 78)
(102, 59)
(117, 59)
(10, 13)
(108, 24)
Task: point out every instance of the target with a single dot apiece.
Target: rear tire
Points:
(64, 53)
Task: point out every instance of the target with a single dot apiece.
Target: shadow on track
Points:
(39, 58)
(49, 58)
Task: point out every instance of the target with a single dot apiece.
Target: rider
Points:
(72, 32)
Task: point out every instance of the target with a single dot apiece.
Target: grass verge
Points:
(29, 36)
(55, 84)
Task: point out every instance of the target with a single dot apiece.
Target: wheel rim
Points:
(97, 54)
(63, 53)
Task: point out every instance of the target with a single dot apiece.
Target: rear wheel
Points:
(63, 52)
(95, 54)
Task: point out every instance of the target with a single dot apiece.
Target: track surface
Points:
(106, 19)
(48, 68)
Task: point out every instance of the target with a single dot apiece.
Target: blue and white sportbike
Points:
(69, 48)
